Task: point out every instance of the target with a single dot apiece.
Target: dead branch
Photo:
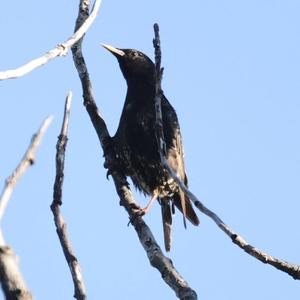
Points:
(163, 264)
(60, 50)
(12, 282)
(159, 132)
(289, 268)
(61, 227)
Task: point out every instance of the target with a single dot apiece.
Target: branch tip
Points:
(60, 50)
(59, 222)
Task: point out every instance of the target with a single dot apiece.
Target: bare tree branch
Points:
(163, 264)
(61, 227)
(12, 282)
(60, 50)
(158, 93)
(27, 160)
(289, 268)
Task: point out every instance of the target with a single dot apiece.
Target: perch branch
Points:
(163, 264)
(60, 50)
(61, 227)
(27, 160)
(12, 282)
(289, 268)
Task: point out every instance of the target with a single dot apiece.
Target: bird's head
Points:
(134, 64)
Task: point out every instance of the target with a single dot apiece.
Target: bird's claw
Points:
(141, 212)
(108, 173)
(138, 213)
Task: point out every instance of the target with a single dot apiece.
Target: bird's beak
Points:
(114, 51)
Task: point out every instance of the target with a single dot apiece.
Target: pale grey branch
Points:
(289, 268)
(12, 282)
(59, 50)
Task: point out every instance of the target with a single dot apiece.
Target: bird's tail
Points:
(167, 221)
(190, 214)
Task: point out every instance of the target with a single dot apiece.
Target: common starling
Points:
(135, 142)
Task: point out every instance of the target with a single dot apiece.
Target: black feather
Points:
(135, 140)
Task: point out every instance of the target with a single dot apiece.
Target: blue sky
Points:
(232, 73)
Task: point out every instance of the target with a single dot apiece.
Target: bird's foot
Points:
(139, 212)
(142, 211)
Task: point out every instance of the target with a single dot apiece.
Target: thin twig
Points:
(12, 282)
(61, 227)
(159, 133)
(27, 160)
(169, 274)
(289, 268)
(60, 50)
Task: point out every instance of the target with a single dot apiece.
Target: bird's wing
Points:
(173, 139)
(175, 158)
(174, 147)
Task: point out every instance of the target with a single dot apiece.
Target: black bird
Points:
(136, 146)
